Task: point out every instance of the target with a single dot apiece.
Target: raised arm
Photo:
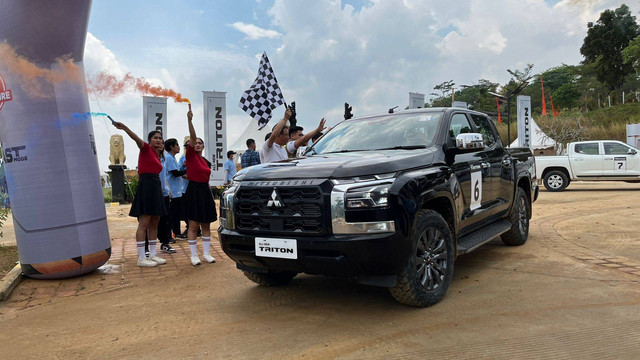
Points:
(131, 134)
(304, 139)
(192, 131)
(276, 131)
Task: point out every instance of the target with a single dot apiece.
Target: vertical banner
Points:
(215, 132)
(416, 100)
(154, 115)
(524, 122)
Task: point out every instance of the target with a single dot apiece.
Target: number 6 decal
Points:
(476, 189)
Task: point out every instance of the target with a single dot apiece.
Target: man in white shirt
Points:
(278, 146)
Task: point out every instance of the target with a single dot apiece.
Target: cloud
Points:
(372, 57)
(255, 33)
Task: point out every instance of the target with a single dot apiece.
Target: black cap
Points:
(230, 152)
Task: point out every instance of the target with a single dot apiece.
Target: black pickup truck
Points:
(390, 200)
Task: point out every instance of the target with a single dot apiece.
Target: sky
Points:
(324, 53)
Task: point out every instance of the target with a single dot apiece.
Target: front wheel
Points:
(556, 180)
(270, 279)
(427, 275)
(519, 219)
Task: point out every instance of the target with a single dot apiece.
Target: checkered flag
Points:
(264, 95)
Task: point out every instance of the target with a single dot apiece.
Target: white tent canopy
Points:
(539, 139)
(250, 132)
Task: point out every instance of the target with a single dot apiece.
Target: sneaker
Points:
(146, 263)
(181, 236)
(195, 260)
(172, 241)
(158, 260)
(208, 258)
(167, 249)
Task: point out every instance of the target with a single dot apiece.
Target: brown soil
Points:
(8, 258)
(572, 291)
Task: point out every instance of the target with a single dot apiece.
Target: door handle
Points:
(506, 162)
(485, 165)
(578, 159)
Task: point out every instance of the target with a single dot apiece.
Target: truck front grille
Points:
(290, 210)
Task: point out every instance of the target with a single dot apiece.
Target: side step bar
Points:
(470, 242)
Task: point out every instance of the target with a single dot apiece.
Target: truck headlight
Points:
(375, 196)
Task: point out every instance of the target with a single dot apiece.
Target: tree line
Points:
(608, 75)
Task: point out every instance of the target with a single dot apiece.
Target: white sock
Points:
(206, 244)
(152, 247)
(140, 245)
(193, 247)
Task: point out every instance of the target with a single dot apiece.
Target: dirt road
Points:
(572, 291)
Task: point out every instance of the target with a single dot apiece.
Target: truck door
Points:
(620, 160)
(472, 177)
(500, 177)
(586, 159)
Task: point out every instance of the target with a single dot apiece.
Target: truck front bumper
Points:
(362, 256)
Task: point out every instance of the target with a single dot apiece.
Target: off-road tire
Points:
(270, 279)
(519, 219)
(409, 288)
(555, 181)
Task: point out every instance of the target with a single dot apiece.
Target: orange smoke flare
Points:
(33, 78)
(110, 86)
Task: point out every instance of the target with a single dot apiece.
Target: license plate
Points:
(277, 248)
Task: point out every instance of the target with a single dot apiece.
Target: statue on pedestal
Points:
(116, 150)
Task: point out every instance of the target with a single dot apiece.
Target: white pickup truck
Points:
(602, 160)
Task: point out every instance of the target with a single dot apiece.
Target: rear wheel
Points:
(519, 220)
(427, 275)
(556, 180)
(270, 279)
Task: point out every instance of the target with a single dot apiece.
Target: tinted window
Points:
(459, 125)
(484, 128)
(587, 149)
(611, 148)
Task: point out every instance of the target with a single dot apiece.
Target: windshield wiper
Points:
(345, 151)
(404, 147)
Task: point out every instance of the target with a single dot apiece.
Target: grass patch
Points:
(8, 258)
(107, 195)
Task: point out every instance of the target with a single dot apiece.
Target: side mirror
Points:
(470, 141)
(631, 152)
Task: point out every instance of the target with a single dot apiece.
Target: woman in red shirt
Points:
(200, 209)
(148, 204)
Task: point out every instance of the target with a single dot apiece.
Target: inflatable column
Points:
(50, 155)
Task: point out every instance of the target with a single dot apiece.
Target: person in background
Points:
(184, 182)
(175, 182)
(147, 204)
(295, 133)
(200, 209)
(229, 167)
(251, 156)
(164, 230)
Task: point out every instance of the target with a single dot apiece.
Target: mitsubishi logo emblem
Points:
(275, 200)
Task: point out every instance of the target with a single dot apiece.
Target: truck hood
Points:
(342, 165)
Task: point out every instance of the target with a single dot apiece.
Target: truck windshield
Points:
(399, 131)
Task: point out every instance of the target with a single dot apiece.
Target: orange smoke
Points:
(110, 86)
(33, 79)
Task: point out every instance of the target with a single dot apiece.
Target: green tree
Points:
(631, 54)
(444, 87)
(604, 43)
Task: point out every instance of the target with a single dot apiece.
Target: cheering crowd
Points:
(171, 191)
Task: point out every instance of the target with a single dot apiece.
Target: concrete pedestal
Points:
(117, 183)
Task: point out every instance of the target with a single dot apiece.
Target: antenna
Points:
(393, 108)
